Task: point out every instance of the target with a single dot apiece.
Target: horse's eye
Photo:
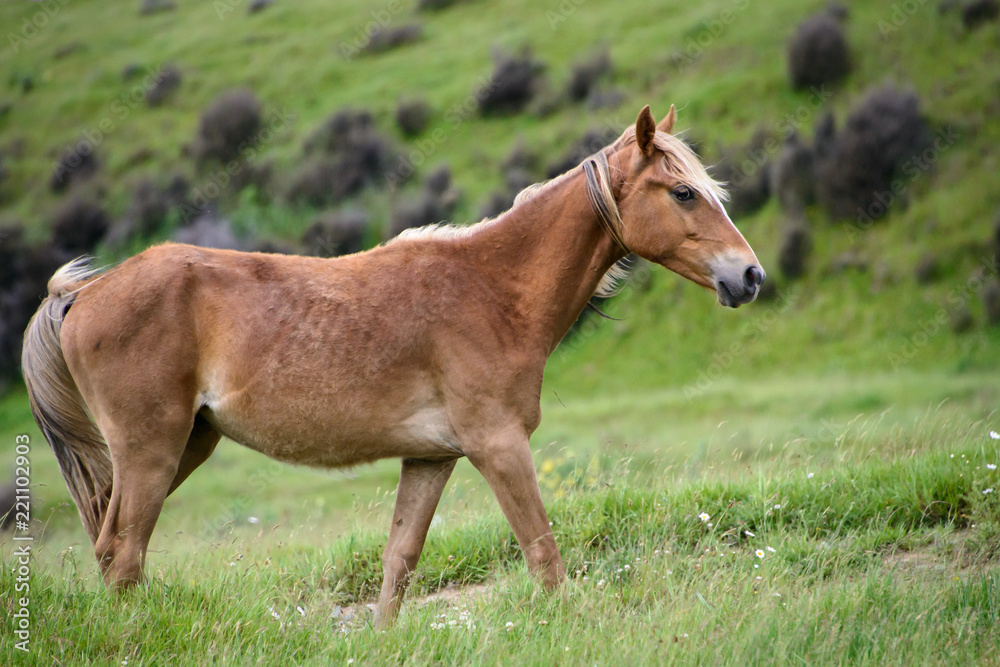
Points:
(683, 193)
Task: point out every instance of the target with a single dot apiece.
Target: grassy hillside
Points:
(856, 372)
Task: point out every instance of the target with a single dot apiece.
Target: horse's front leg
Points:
(504, 459)
(420, 487)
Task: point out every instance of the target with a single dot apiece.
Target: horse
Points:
(428, 348)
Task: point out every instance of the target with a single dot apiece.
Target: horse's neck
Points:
(551, 253)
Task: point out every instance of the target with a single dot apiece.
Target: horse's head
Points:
(671, 213)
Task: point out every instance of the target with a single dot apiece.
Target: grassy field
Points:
(879, 551)
(836, 436)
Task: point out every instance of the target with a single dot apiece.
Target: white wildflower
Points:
(704, 517)
(749, 534)
(995, 435)
(760, 554)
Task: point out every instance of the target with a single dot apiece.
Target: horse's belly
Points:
(333, 441)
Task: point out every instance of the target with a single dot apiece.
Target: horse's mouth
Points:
(729, 299)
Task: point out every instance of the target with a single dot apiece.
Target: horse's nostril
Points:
(753, 277)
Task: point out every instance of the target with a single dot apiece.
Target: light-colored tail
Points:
(56, 403)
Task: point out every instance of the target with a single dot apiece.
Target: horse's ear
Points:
(667, 124)
(645, 130)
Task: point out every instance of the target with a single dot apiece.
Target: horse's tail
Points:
(56, 403)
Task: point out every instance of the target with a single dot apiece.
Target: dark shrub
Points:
(25, 272)
(514, 81)
(979, 12)
(592, 141)
(313, 184)
(416, 212)
(209, 231)
(337, 233)
(960, 319)
(818, 53)
(11, 245)
(147, 7)
(151, 204)
(793, 257)
(78, 226)
(350, 155)
(824, 138)
(68, 49)
(854, 178)
(520, 169)
(838, 11)
(927, 269)
(258, 5)
(326, 180)
(4, 176)
(8, 502)
(258, 175)
(388, 38)
(604, 99)
(167, 81)
(991, 302)
(438, 183)
(995, 245)
(586, 74)
(522, 158)
(436, 5)
(496, 203)
(77, 164)
(792, 176)
(413, 116)
(229, 125)
(435, 204)
(274, 247)
(340, 132)
(747, 175)
(131, 71)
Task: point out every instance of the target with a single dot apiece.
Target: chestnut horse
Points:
(428, 348)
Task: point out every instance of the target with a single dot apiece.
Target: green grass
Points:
(886, 555)
(867, 560)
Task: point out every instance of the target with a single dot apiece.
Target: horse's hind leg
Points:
(201, 443)
(146, 462)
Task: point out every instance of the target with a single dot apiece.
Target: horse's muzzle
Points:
(735, 290)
